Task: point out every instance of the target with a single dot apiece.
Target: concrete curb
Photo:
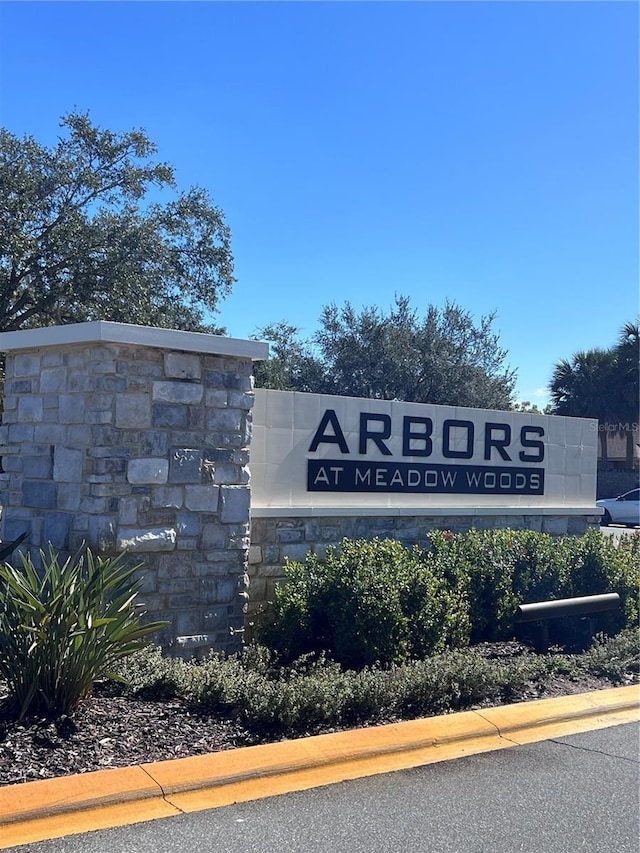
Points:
(52, 808)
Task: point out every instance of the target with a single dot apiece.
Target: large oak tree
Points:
(443, 357)
(84, 234)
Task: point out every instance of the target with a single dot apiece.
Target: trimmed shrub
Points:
(150, 675)
(378, 602)
(314, 694)
(624, 576)
(370, 602)
(614, 657)
(496, 570)
(594, 564)
(538, 574)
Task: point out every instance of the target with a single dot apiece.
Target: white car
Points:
(621, 510)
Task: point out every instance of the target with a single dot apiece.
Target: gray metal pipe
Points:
(567, 607)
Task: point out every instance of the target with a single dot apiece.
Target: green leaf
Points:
(61, 628)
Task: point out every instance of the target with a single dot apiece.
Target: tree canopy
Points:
(442, 358)
(83, 236)
(603, 384)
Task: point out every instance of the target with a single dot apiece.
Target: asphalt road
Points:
(576, 793)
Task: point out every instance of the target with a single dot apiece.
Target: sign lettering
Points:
(465, 442)
(332, 475)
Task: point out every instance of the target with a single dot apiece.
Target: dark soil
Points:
(108, 731)
(116, 731)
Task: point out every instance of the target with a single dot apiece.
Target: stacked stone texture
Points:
(144, 450)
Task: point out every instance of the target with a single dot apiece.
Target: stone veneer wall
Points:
(276, 538)
(142, 449)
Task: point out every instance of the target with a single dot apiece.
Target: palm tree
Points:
(627, 353)
(585, 388)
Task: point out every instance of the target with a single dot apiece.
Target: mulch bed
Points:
(116, 731)
(108, 731)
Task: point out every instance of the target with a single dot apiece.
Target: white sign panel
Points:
(313, 450)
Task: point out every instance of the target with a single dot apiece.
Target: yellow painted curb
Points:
(52, 808)
(566, 714)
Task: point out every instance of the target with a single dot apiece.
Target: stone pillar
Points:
(134, 439)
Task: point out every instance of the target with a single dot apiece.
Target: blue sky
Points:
(485, 153)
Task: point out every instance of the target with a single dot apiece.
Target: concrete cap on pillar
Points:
(103, 331)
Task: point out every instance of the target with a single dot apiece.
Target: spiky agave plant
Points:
(64, 626)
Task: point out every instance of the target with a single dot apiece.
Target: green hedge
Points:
(367, 602)
(317, 695)
(378, 602)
